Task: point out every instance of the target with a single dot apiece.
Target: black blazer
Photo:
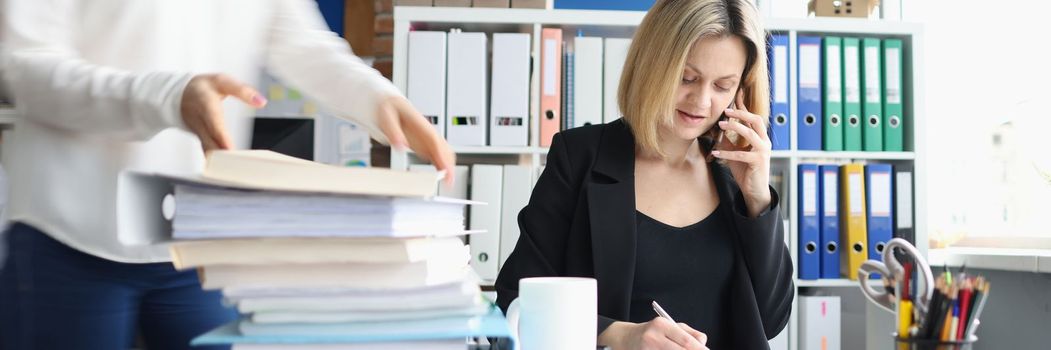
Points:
(580, 221)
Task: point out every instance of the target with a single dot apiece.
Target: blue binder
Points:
(780, 92)
(879, 194)
(829, 184)
(622, 5)
(809, 116)
(492, 324)
(333, 12)
(809, 223)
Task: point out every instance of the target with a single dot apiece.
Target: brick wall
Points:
(382, 50)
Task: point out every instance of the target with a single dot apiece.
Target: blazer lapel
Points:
(611, 210)
(745, 325)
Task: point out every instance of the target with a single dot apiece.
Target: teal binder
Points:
(832, 100)
(871, 95)
(853, 121)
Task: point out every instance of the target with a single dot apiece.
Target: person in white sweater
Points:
(148, 85)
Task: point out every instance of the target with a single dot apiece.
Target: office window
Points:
(988, 118)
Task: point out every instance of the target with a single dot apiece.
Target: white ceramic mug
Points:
(555, 313)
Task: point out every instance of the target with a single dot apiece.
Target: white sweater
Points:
(98, 85)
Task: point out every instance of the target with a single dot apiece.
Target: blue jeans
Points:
(55, 297)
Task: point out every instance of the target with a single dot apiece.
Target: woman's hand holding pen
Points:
(657, 334)
(749, 164)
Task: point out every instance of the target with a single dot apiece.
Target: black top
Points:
(581, 222)
(687, 271)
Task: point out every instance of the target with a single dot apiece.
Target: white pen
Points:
(660, 311)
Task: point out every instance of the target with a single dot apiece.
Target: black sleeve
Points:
(768, 262)
(544, 224)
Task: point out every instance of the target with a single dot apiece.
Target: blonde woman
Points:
(672, 203)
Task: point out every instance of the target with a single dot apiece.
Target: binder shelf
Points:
(898, 44)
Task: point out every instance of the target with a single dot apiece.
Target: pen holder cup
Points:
(930, 344)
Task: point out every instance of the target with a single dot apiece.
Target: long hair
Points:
(657, 55)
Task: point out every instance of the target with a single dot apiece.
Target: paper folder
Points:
(852, 128)
(853, 225)
(809, 223)
(830, 232)
(550, 84)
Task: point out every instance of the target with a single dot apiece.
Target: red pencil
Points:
(965, 303)
(906, 284)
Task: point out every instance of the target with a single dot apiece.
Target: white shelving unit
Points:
(622, 24)
(828, 283)
(7, 117)
(7, 122)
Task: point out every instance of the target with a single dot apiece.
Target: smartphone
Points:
(709, 140)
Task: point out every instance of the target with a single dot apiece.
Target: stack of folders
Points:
(953, 312)
(449, 83)
(848, 213)
(850, 93)
(379, 265)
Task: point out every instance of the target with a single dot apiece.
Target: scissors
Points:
(890, 269)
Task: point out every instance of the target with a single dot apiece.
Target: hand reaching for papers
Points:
(202, 107)
(405, 127)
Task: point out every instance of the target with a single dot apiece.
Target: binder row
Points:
(850, 93)
(848, 213)
(506, 189)
(449, 84)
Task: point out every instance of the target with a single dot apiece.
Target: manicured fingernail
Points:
(729, 110)
(258, 100)
(715, 153)
(723, 123)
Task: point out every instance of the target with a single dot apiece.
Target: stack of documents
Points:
(373, 262)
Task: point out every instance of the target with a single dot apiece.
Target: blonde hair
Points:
(655, 61)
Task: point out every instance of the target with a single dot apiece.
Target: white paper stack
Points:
(311, 269)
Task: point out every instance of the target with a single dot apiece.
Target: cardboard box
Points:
(452, 3)
(843, 8)
(492, 3)
(531, 4)
(413, 2)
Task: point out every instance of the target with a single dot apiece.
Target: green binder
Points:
(893, 128)
(852, 94)
(871, 95)
(832, 103)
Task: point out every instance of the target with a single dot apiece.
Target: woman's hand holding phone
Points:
(748, 157)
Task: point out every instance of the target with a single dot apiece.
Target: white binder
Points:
(517, 186)
(426, 80)
(466, 117)
(509, 110)
(616, 52)
(486, 186)
(459, 188)
(587, 81)
(819, 326)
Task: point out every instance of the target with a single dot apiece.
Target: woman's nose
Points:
(701, 99)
